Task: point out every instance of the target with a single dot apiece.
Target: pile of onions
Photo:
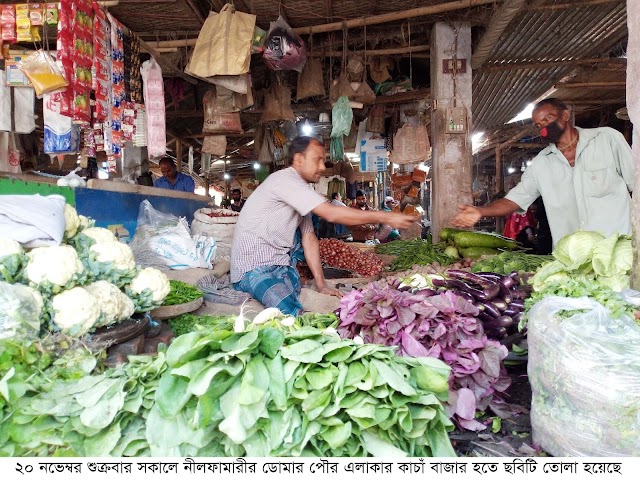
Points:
(339, 254)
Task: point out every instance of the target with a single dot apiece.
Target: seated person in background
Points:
(386, 233)
(363, 232)
(238, 202)
(172, 179)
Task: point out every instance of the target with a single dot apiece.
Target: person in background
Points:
(274, 230)
(584, 176)
(238, 202)
(341, 231)
(172, 179)
(363, 232)
(385, 232)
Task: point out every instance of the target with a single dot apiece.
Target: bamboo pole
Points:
(391, 17)
(589, 85)
(391, 51)
(179, 154)
(166, 66)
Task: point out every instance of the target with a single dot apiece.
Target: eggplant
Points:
(440, 282)
(505, 321)
(497, 333)
(515, 276)
(500, 304)
(491, 309)
(485, 318)
(480, 307)
(464, 295)
(511, 311)
(405, 288)
(490, 289)
(518, 294)
(505, 294)
(507, 282)
(517, 304)
(426, 292)
(516, 318)
(490, 276)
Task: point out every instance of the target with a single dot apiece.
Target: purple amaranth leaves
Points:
(443, 326)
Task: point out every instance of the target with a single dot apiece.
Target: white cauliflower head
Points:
(100, 235)
(116, 253)
(85, 222)
(127, 308)
(9, 247)
(75, 311)
(110, 299)
(56, 264)
(11, 258)
(154, 280)
(72, 221)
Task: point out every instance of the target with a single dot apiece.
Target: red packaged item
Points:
(8, 21)
(36, 11)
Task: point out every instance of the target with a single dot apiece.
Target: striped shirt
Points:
(267, 224)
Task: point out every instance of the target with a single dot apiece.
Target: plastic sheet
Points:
(19, 312)
(584, 372)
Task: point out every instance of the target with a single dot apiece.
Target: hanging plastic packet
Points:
(283, 49)
(43, 73)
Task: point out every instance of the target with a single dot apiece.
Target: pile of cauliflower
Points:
(89, 281)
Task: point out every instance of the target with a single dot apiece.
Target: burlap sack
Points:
(310, 81)
(375, 121)
(216, 122)
(215, 145)
(339, 88)
(379, 69)
(277, 104)
(224, 44)
(355, 69)
(364, 94)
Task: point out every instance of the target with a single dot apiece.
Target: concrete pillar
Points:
(452, 163)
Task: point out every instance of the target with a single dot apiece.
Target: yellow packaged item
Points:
(23, 23)
(43, 73)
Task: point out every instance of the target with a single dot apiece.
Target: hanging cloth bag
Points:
(224, 44)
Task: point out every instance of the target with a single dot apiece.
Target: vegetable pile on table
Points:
(499, 300)
(415, 252)
(444, 326)
(510, 261)
(339, 254)
(89, 281)
(268, 390)
(180, 293)
(587, 264)
(473, 244)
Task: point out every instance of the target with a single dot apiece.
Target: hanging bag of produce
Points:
(277, 104)
(217, 122)
(215, 145)
(43, 73)
(310, 80)
(364, 94)
(224, 44)
(410, 145)
(283, 49)
(342, 116)
(375, 121)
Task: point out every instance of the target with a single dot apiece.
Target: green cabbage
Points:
(576, 249)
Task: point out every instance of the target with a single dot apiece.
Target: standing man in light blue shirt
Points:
(585, 177)
(172, 179)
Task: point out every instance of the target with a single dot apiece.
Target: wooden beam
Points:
(166, 66)
(499, 177)
(179, 154)
(402, 97)
(591, 102)
(392, 51)
(548, 65)
(391, 17)
(589, 85)
(194, 8)
(582, 3)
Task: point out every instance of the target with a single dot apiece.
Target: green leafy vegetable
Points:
(180, 293)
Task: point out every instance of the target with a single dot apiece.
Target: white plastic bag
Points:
(19, 312)
(72, 179)
(584, 372)
(163, 241)
(153, 87)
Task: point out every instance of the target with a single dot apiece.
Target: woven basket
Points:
(121, 332)
(166, 312)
